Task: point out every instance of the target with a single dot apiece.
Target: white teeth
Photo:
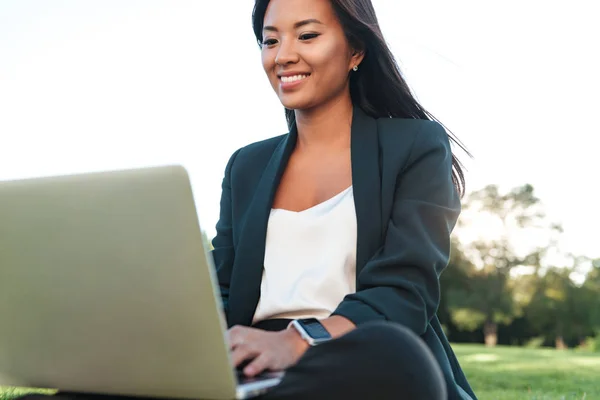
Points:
(288, 79)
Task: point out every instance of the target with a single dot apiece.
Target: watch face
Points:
(314, 328)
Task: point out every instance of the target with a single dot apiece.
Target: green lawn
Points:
(7, 393)
(507, 373)
(513, 373)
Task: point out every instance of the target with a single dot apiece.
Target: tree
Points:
(488, 299)
(549, 308)
(484, 301)
(561, 309)
(591, 287)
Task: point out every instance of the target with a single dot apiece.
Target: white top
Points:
(310, 260)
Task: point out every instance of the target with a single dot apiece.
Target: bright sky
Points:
(110, 84)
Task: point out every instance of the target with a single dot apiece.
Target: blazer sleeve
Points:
(223, 248)
(400, 283)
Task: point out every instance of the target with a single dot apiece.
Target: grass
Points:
(515, 373)
(510, 373)
(9, 393)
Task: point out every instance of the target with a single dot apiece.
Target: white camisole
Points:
(310, 260)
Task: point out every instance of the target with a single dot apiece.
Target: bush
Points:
(592, 344)
(535, 343)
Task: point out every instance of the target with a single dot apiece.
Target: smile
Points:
(295, 78)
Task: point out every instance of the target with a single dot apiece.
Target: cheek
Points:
(268, 63)
(265, 59)
(331, 63)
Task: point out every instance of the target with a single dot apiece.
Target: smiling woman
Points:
(331, 238)
(306, 71)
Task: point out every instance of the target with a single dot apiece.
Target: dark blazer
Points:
(406, 207)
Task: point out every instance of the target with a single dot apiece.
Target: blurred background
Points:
(103, 85)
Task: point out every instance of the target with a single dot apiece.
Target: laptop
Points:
(107, 286)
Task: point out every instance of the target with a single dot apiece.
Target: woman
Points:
(344, 222)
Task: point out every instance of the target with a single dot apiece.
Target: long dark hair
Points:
(378, 87)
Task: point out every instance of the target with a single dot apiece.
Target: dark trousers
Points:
(378, 360)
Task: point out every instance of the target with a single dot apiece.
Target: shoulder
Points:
(418, 146)
(261, 147)
(254, 154)
(407, 132)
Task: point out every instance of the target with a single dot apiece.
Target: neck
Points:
(325, 127)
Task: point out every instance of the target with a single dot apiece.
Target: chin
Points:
(296, 103)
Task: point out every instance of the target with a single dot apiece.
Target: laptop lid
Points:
(106, 286)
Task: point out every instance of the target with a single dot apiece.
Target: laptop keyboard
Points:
(260, 377)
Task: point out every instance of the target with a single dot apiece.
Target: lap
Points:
(378, 360)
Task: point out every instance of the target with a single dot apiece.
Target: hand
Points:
(273, 351)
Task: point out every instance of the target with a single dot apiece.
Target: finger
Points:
(233, 340)
(243, 353)
(236, 336)
(258, 365)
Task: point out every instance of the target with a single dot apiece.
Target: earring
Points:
(355, 68)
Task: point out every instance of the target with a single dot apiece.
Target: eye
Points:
(308, 36)
(269, 42)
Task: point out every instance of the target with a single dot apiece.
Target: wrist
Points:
(337, 325)
(300, 345)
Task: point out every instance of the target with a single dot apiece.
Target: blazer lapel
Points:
(250, 254)
(366, 181)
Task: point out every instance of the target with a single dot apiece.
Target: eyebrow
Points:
(296, 25)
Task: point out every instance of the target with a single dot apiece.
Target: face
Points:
(305, 53)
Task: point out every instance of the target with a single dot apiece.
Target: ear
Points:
(356, 58)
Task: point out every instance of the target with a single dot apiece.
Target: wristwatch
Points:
(311, 330)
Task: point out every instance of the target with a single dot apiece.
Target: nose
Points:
(286, 53)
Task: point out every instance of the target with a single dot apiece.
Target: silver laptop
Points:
(107, 286)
